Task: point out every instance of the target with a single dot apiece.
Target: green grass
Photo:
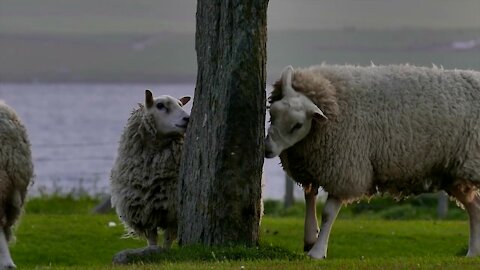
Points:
(423, 207)
(61, 233)
(61, 205)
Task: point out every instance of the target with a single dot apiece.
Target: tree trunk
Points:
(220, 175)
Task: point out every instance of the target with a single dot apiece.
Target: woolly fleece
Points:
(144, 177)
(399, 129)
(16, 167)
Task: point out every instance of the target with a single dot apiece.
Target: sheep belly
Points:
(148, 207)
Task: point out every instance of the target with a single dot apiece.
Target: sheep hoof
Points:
(121, 257)
(307, 247)
(472, 254)
(8, 266)
(132, 255)
(316, 256)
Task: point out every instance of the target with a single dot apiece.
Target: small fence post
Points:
(104, 206)
(288, 200)
(442, 208)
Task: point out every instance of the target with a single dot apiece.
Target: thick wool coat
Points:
(144, 177)
(396, 129)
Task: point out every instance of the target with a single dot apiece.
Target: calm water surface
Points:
(75, 128)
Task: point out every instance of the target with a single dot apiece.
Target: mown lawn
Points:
(61, 233)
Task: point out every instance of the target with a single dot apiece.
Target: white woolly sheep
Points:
(16, 173)
(401, 130)
(144, 177)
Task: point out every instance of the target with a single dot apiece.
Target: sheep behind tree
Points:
(360, 131)
(145, 174)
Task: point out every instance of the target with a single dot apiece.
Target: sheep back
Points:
(397, 129)
(16, 166)
(144, 176)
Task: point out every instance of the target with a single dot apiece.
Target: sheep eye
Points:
(160, 106)
(296, 127)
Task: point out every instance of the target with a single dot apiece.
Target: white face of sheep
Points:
(170, 118)
(291, 118)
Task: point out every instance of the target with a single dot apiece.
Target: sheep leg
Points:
(168, 237)
(311, 224)
(329, 214)
(151, 236)
(471, 201)
(6, 261)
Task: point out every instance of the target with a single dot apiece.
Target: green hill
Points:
(153, 41)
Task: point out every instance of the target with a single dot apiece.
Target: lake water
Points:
(74, 130)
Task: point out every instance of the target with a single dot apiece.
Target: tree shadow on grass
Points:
(211, 254)
(462, 252)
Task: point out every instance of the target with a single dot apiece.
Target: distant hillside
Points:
(154, 16)
(153, 40)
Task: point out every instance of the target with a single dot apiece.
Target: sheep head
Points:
(167, 112)
(290, 117)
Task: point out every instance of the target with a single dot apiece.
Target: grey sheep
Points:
(361, 131)
(16, 173)
(144, 177)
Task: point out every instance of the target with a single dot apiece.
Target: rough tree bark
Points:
(220, 175)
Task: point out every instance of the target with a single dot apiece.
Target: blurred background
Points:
(74, 70)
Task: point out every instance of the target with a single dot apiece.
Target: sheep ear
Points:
(317, 114)
(148, 98)
(287, 75)
(184, 100)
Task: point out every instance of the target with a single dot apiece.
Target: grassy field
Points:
(153, 41)
(61, 233)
